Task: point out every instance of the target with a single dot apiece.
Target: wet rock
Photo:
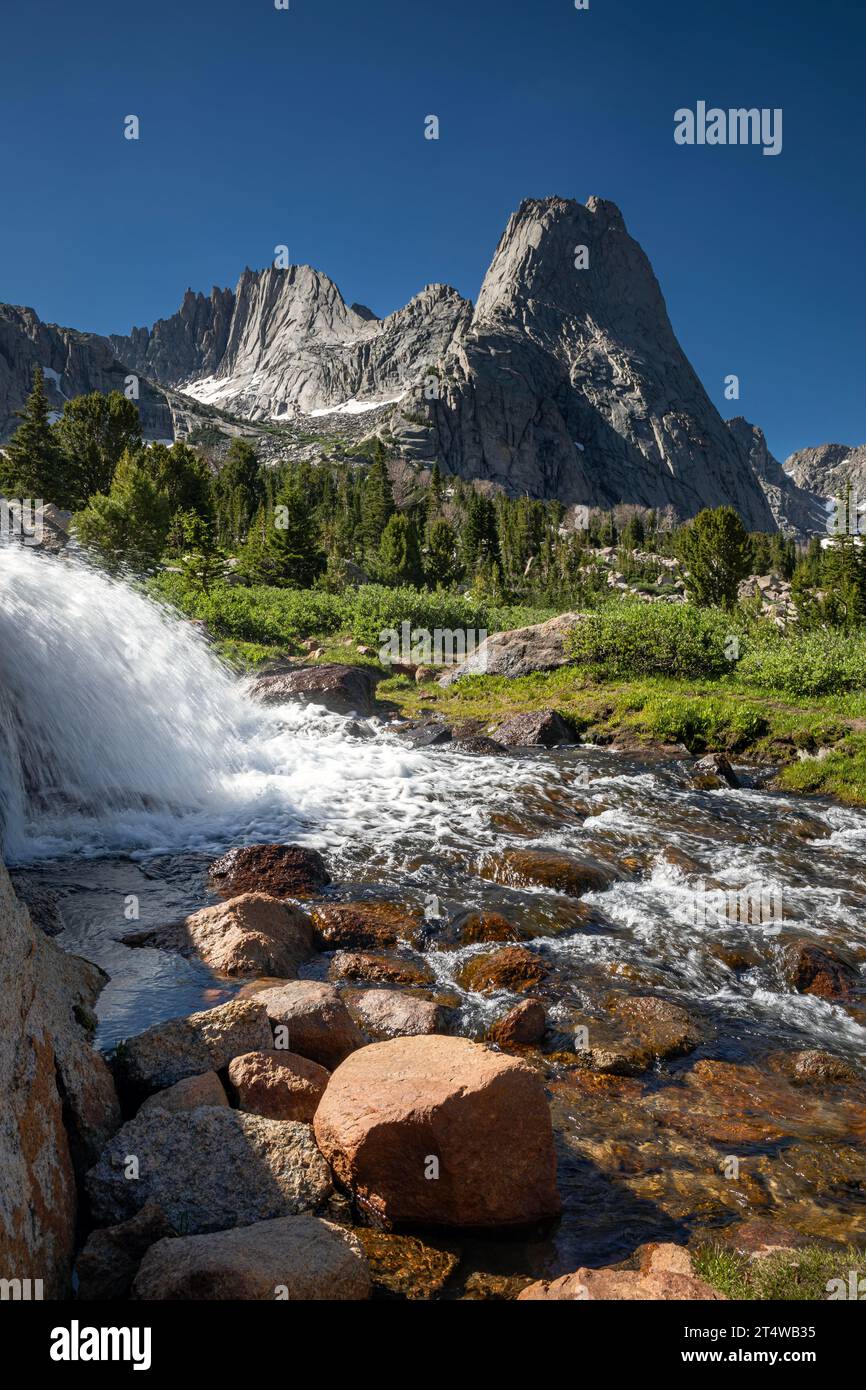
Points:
(513, 968)
(807, 828)
(189, 1094)
(300, 1258)
(667, 1274)
(538, 729)
(428, 734)
(523, 1025)
(735, 1103)
(182, 1047)
(665, 1029)
(810, 969)
(475, 928)
(311, 1019)
(438, 1131)
(42, 904)
(714, 771)
(378, 969)
(561, 873)
(254, 934)
(109, 1261)
(357, 926)
(404, 1266)
(283, 871)
(478, 745)
(386, 1013)
(678, 859)
(815, 1068)
(208, 1169)
(278, 1085)
(336, 687)
(735, 957)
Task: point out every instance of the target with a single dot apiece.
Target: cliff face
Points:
(565, 380)
(285, 344)
(58, 1103)
(184, 347)
(830, 469)
(73, 363)
(570, 383)
(796, 509)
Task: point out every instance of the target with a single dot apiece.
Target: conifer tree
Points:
(33, 465)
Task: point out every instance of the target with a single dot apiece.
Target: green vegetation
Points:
(338, 552)
(788, 1275)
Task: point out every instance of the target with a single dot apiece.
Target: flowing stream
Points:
(130, 758)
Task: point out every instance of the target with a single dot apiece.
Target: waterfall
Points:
(107, 701)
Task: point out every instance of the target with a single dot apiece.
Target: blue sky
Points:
(305, 127)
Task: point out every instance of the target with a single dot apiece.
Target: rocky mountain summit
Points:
(565, 380)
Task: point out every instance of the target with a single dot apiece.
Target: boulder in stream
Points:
(339, 688)
(182, 1047)
(283, 871)
(438, 1131)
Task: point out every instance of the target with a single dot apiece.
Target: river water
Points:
(130, 758)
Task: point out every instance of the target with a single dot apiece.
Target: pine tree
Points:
(399, 559)
(94, 431)
(714, 550)
(34, 466)
(282, 546)
(238, 493)
(442, 567)
(377, 503)
(129, 524)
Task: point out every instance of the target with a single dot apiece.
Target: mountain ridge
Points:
(565, 379)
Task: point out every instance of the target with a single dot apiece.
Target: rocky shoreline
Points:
(337, 1137)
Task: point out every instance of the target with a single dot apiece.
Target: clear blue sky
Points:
(305, 127)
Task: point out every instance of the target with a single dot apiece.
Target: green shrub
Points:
(628, 640)
(820, 662)
(262, 615)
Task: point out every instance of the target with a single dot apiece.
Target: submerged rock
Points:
(562, 873)
(182, 1047)
(283, 871)
(208, 1169)
(474, 928)
(357, 926)
(439, 1131)
(810, 969)
(513, 968)
(311, 1019)
(405, 1266)
(300, 1258)
(277, 1085)
(379, 969)
(665, 1029)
